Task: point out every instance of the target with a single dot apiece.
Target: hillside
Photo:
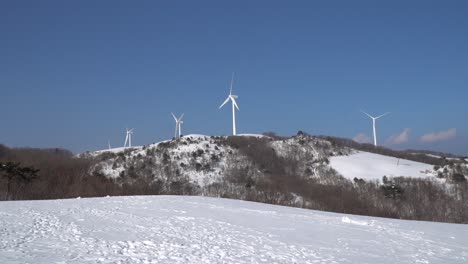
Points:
(300, 171)
(176, 229)
(369, 166)
(202, 160)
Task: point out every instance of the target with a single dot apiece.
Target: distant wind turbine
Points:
(179, 122)
(234, 105)
(128, 138)
(108, 144)
(373, 124)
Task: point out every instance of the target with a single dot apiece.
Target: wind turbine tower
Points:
(234, 105)
(373, 124)
(178, 129)
(128, 138)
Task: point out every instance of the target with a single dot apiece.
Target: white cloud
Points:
(362, 138)
(439, 136)
(401, 138)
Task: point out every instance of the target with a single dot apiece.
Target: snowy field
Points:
(369, 166)
(176, 229)
(113, 150)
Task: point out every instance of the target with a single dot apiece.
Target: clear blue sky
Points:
(75, 74)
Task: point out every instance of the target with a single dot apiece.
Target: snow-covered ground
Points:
(176, 229)
(113, 150)
(439, 157)
(369, 166)
(253, 135)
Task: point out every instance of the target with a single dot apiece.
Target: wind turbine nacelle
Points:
(234, 96)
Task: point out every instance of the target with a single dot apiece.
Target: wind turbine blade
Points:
(180, 118)
(235, 104)
(227, 100)
(232, 83)
(382, 115)
(367, 114)
(174, 116)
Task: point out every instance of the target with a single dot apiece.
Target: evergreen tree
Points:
(14, 173)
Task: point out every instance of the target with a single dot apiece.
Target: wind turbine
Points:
(128, 138)
(178, 121)
(108, 144)
(234, 105)
(373, 124)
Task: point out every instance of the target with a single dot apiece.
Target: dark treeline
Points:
(59, 175)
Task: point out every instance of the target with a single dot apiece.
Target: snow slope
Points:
(112, 150)
(369, 166)
(177, 229)
(116, 150)
(253, 135)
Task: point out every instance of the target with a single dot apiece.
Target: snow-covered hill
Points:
(196, 158)
(369, 166)
(203, 160)
(114, 150)
(175, 229)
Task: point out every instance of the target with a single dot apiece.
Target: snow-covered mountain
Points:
(203, 160)
(185, 229)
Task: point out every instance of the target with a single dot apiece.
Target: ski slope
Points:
(369, 166)
(178, 229)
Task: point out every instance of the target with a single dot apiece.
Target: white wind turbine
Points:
(128, 138)
(234, 106)
(179, 122)
(373, 124)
